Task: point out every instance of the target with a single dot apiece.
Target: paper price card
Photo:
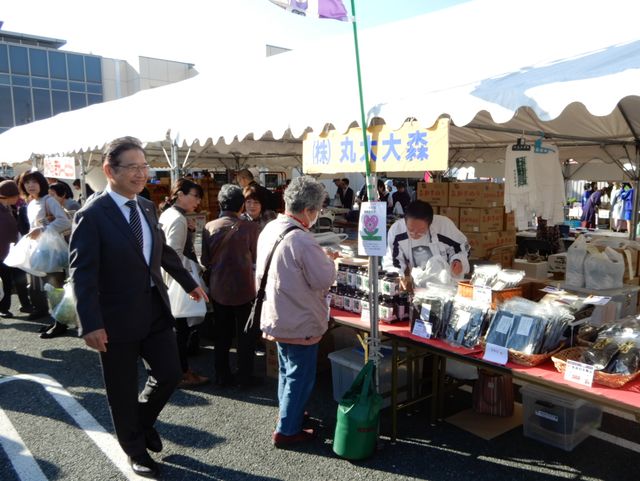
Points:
(496, 354)
(597, 300)
(482, 294)
(365, 313)
(422, 329)
(425, 312)
(579, 373)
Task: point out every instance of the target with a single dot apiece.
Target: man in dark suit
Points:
(116, 251)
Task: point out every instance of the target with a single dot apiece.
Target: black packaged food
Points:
(601, 353)
(526, 334)
(465, 324)
(500, 327)
(626, 361)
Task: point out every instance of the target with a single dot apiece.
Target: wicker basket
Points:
(531, 360)
(610, 380)
(497, 297)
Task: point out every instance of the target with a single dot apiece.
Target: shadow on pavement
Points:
(177, 466)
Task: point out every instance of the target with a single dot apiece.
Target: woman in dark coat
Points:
(591, 208)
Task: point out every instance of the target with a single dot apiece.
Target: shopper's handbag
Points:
(256, 308)
(358, 415)
(493, 394)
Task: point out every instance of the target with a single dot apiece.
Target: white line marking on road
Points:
(105, 441)
(21, 458)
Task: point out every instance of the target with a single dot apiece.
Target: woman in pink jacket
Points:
(295, 312)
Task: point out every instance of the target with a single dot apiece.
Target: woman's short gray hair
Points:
(231, 197)
(304, 192)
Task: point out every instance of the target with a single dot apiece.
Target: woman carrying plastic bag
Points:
(46, 216)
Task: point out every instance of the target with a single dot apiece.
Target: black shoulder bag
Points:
(256, 309)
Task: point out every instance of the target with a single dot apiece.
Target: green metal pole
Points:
(363, 117)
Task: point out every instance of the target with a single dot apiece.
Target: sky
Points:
(215, 35)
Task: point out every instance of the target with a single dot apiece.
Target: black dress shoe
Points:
(144, 466)
(6, 314)
(56, 330)
(153, 441)
(46, 327)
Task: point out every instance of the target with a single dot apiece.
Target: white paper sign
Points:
(365, 313)
(496, 354)
(372, 229)
(579, 373)
(482, 294)
(597, 300)
(60, 167)
(422, 329)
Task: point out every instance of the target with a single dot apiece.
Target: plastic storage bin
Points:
(347, 363)
(558, 420)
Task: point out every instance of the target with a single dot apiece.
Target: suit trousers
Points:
(134, 415)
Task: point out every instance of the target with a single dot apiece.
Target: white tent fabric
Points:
(568, 70)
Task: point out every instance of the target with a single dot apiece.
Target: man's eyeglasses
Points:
(134, 169)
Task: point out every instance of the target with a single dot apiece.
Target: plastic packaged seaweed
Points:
(484, 275)
(433, 304)
(466, 322)
(507, 279)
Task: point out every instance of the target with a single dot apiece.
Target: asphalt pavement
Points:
(55, 425)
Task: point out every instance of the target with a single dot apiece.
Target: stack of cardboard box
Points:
(477, 209)
(210, 197)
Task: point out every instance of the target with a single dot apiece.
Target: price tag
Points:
(496, 354)
(579, 373)
(364, 314)
(482, 294)
(597, 300)
(425, 312)
(524, 326)
(422, 329)
(504, 325)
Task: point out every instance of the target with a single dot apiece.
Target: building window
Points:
(4, 59)
(6, 107)
(77, 100)
(41, 104)
(76, 67)
(19, 60)
(94, 99)
(58, 65)
(59, 102)
(20, 80)
(41, 83)
(22, 105)
(38, 62)
(93, 67)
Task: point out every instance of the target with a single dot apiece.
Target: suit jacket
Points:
(111, 279)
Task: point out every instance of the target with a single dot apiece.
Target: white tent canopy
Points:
(568, 71)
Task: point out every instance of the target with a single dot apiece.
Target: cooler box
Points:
(347, 363)
(559, 420)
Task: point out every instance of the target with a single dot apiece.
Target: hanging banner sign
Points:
(60, 167)
(410, 149)
(372, 229)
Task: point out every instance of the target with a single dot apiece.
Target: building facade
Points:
(38, 80)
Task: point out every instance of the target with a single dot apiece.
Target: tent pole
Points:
(83, 180)
(175, 170)
(374, 352)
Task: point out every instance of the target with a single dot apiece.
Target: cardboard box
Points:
(509, 221)
(490, 219)
(535, 270)
(436, 193)
(476, 194)
(481, 243)
(506, 238)
(452, 213)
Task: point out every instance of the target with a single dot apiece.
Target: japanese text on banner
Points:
(60, 167)
(409, 149)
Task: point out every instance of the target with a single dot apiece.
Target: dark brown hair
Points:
(185, 186)
(117, 147)
(39, 178)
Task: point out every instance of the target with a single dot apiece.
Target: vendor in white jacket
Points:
(412, 241)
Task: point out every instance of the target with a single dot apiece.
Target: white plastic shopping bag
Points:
(19, 256)
(604, 270)
(576, 254)
(51, 253)
(181, 304)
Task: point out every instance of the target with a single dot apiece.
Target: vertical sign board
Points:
(372, 229)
